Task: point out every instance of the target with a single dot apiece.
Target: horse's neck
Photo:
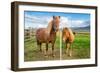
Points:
(50, 31)
(49, 27)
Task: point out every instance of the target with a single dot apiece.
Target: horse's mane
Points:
(49, 27)
(70, 31)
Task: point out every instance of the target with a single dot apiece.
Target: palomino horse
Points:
(48, 35)
(68, 38)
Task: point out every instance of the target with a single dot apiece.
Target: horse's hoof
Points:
(70, 55)
(46, 56)
(53, 55)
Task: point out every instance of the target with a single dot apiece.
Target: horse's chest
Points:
(51, 37)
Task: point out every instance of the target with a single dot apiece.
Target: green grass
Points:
(81, 49)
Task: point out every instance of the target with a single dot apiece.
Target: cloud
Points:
(42, 22)
(36, 21)
(80, 23)
(77, 23)
(64, 22)
(68, 22)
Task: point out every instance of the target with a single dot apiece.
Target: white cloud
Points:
(42, 22)
(77, 23)
(36, 21)
(64, 21)
(68, 22)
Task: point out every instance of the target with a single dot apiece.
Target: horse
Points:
(68, 37)
(48, 35)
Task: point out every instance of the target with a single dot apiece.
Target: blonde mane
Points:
(49, 27)
(69, 35)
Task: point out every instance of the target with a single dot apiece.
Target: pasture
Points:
(81, 48)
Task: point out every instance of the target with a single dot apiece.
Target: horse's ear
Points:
(53, 17)
(59, 16)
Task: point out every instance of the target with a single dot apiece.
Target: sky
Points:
(38, 19)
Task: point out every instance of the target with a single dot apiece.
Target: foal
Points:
(48, 35)
(68, 38)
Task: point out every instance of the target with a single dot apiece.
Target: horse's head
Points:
(56, 22)
(65, 34)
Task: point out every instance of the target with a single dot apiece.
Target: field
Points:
(80, 48)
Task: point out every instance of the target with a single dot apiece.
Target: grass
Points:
(81, 48)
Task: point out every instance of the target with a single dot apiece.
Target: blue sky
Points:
(41, 19)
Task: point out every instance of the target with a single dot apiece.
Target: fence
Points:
(30, 32)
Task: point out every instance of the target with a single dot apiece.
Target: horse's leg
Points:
(53, 49)
(46, 52)
(70, 51)
(40, 47)
(39, 44)
(67, 48)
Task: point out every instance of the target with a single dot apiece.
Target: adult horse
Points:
(48, 35)
(68, 38)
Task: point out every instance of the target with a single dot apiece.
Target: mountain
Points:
(81, 29)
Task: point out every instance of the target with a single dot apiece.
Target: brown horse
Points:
(68, 38)
(48, 35)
